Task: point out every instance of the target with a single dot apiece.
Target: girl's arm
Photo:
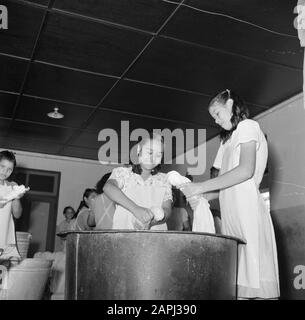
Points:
(211, 195)
(167, 208)
(239, 174)
(114, 193)
(16, 208)
(91, 219)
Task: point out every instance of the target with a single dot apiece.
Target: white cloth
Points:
(150, 193)
(203, 219)
(7, 226)
(244, 215)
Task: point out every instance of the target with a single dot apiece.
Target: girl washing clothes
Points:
(9, 209)
(142, 193)
(241, 159)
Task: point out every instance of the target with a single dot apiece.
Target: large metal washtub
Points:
(160, 265)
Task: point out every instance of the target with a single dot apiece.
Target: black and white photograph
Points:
(152, 151)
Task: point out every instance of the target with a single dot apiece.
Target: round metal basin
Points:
(154, 265)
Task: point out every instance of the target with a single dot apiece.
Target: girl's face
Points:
(222, 114)
(69, 214)
(151, 154)
(6, 169)
(90, 197)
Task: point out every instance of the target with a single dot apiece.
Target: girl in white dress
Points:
(242, 159)
(8, 209)
(141, 188)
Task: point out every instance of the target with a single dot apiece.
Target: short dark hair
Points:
(9, 156)
(239, 111)
(214, 172)
(88, 192)
(67, 208)
(189, 176)
(101, 183)
(83, 204)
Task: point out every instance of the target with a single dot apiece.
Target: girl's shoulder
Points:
(248, 125)
(121, 171)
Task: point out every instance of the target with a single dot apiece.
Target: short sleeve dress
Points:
(149, 193)
(7, 225)
(245, 215)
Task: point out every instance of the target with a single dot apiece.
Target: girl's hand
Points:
(20, 196)
(140, 226)
(144, 215)
(191, 189)
(193, 201)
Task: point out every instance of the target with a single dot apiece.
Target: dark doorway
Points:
(39, 207)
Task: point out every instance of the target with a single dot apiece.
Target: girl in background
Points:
(102, 208)
(69, 223)
(141, 187)
(241, 159)
(83, 211)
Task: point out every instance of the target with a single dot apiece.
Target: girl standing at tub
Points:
(242, 159)
(141, 190)
(8, 209)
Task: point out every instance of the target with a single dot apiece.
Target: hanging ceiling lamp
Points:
(55, 114)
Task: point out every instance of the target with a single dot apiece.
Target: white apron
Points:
(144, 196)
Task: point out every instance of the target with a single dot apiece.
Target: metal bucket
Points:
(26, 280)
(152, 265)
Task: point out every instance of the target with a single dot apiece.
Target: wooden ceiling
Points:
(155, 63)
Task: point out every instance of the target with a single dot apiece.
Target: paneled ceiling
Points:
(155, 63)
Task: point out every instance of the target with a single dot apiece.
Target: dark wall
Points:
(289, 225)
